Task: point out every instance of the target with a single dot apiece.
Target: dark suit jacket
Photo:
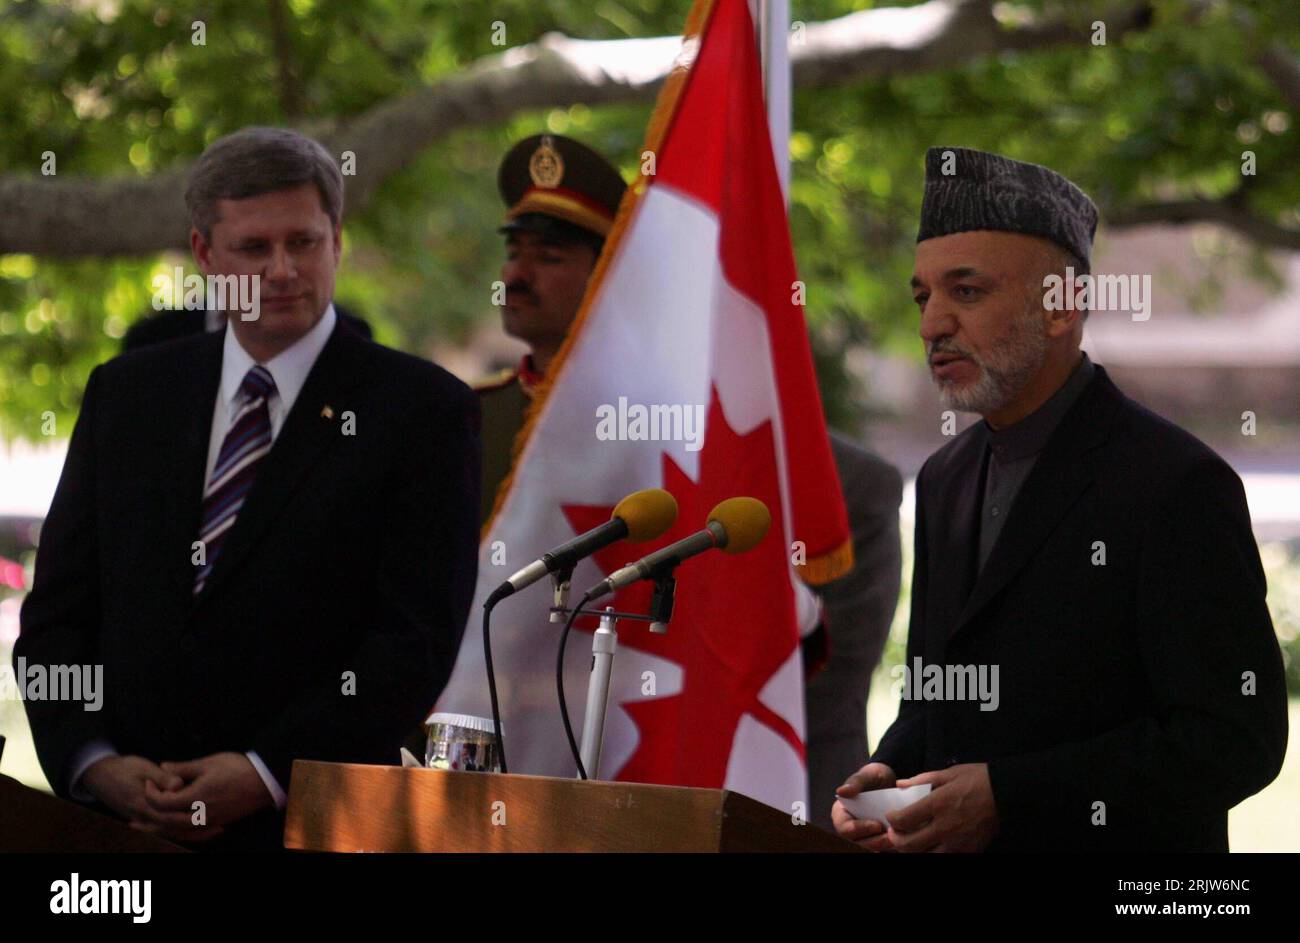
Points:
(186, 322)
(1119, 684)
(351, 554)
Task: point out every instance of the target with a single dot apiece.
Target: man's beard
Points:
(1003, 372)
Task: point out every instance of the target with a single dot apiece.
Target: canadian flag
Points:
(694, 305)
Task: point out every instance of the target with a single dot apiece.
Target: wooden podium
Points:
(349, 807)
(31, 820)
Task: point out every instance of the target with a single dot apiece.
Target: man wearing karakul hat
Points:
(1091, 663)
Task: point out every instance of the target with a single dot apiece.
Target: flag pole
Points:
(774, 53)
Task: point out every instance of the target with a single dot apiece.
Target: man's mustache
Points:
(520, 292)
(950, 349)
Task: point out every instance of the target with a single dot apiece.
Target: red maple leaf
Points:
(733, 625)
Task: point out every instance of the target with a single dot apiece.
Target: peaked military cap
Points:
(551, 183)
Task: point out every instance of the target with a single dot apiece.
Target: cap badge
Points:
(546, 166)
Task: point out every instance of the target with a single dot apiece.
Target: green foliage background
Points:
(115, 87)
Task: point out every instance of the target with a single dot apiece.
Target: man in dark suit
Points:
(266, 537)
(1090, 663)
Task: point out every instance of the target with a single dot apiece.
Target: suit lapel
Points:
(187, 415)
(957, 510)
(1061, 474)
(305, 435)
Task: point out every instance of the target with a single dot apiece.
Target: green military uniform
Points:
(503, 401)
(553, 186)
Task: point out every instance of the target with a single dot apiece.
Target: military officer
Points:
(561, 198)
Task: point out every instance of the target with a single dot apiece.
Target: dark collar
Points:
(1064, 470)
(1028, 436)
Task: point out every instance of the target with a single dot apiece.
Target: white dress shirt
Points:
(289, 369)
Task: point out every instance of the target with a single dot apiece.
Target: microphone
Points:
(735, 525)
(641, 516)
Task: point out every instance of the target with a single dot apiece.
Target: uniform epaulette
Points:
(498, 380)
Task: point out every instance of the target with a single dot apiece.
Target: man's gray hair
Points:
(259, 160)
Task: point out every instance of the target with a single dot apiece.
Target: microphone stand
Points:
(604, 643)
(661, 602)
(561, 582)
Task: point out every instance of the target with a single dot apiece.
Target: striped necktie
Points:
(245, 445)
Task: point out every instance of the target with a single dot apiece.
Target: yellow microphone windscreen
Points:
(647, 514)
(745, 520)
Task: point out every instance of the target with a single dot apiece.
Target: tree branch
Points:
(127, 216)
(290, 94)
(1230, 212)
(1281, 65)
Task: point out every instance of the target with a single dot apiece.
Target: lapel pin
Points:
(327, 412)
